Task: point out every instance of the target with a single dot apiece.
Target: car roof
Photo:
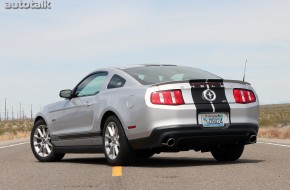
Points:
(141, 65)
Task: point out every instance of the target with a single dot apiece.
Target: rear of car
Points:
(187, 108)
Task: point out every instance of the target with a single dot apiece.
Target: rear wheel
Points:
(41, 145)
(116, 147)
(228, 153)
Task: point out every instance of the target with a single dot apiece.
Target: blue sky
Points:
(44, 51)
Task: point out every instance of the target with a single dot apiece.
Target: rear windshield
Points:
(158, 74)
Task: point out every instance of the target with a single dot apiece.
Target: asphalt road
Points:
(262, 166)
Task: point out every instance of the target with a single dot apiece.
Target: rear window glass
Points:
(158, 74)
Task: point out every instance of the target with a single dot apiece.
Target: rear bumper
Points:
(196, 137)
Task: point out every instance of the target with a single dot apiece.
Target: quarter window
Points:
(91, 85)
(116, 82)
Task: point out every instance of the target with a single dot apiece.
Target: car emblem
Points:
(209, 95)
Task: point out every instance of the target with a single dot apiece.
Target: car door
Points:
(76, 121)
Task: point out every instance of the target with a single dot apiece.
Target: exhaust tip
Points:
(253, 139)
(171, 142)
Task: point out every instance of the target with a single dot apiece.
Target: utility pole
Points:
(12, 113)
(5, 109)
(31, 114)
(20, 110)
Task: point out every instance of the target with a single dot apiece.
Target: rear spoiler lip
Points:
(202, 80)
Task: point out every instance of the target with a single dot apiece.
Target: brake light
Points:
(244, 96)
(167, 97)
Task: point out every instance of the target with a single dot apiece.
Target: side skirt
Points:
(79, 149)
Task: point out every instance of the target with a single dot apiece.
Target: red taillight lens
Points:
(244, 96)
(168, 97)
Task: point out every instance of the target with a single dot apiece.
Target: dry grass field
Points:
(274, 123)
(17, 129)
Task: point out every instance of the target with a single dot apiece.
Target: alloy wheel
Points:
(42, 142)
(112, 144)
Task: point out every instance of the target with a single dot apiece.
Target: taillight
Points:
(167, 97)
(244, 96)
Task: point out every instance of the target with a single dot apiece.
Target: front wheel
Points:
(41, 145)
(116, 147)
(228, 153)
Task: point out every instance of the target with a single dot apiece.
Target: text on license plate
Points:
(212, 120)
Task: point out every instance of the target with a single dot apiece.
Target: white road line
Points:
(283, 145)
(12, 145)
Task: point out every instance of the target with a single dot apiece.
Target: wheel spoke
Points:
(111, 150)
(43, 132)
(108, 137)
(48, 149)
(36, 136)
(110, 131)
(116, 149)
(113, 130)
(40, 133)
(40, 149)
(49, 143)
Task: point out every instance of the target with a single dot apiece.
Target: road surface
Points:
(262, 166)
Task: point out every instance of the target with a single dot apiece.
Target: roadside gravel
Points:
(16, 141)
(278, 141)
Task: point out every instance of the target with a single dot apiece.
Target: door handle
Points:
(88, 105)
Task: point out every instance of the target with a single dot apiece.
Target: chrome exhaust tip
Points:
(170, 142)
(252, 139)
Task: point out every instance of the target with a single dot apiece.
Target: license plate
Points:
(212, 120)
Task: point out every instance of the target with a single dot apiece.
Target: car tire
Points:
(144, 154)
(117, 150)
(228, 153)
(41, 145)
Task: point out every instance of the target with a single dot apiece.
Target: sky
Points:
(45, 51)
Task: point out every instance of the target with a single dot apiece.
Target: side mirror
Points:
(65, 94)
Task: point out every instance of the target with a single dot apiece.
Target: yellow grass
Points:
(274, 115)
(17, 129)
(275, 133)
(11, 136)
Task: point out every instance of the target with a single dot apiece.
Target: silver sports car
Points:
(137, 111)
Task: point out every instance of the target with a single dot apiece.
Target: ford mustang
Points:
(137, 111)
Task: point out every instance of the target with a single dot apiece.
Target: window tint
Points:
(116, 82)
(91, 85)
(157, 74)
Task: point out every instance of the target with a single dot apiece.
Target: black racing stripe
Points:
(221, 103)
(80, 135)
(203, 106)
